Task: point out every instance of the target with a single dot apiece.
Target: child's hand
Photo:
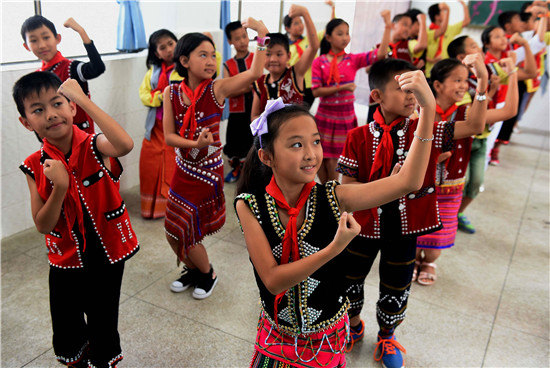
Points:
(421, 17)
(348, 228)
(56, 172)
(443, 6)
(71, 23)
(297, 11)
(348, 87)
(415, 82)
(444, 156)
(205, 138)
(396, 169)
(72, 90)
(494, 84)
(256, 25)
(474, 62)
(517, 39)
(507, 64)
(386, 15)
(330, 3)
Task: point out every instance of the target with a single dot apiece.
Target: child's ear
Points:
(58, 38)
(376, 95)
(437, 85)
(26, 124)
(264, 157)
(73, 108)
(26, 46)
(460, 57)
(184, 61)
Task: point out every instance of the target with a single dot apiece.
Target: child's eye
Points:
(296, 145)
(57, 104)
(37, 111)
(317, 142)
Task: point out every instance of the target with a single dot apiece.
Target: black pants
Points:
(508, 125)
(84, 308)
(397, 258)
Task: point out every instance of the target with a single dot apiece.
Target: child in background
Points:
(295, 229)
(449, 83)
(418, 18)
(41, 38)
(219, 57)
(282, 81)
(238, 136)
(157, 160)
(196, 203)
(294, 28)
(370, 153)
(333, 81)
(73, 182)
(441, 33)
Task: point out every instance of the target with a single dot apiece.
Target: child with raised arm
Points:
(449, 83)
(370, 153)
(41, 38)
(73, 182)
(333, 81)
(192, 114)
(295, 229)
(283, 81)
(157, 160)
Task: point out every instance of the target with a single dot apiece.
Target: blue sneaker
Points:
(388, 350)
(464, 224)
(355, 334)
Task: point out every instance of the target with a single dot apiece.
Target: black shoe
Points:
(205, 285)
(188, 278)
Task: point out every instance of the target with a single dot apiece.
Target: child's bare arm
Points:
(475, 121)
(466, 20)
(422, 43)
(333, 8)
(278, 278)
(309, 54)
(224, 87)
(46, 214)
(72, 24)
(385, 42)
(529, 70)
(114, 142)
(510, 107)
(444, 12)
(411, 175)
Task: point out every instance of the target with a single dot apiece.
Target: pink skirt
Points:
(334, 122)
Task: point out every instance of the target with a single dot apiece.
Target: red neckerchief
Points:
(384, 152)
(189, 120)
(163, 77)
(440, 46)
(71, 202)
(56, 59)
(290, 240)
(444, 114)
(334, 74)
(296, 43)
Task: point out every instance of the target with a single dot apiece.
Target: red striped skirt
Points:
(334, 122)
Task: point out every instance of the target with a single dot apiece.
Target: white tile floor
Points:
(489, 307)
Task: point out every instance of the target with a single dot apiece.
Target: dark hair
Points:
(457, 46)
(441, 71)
(33, 83)
(230, 27)
(325, 45)
(384, 70)
(278, 39)
(185, 47)
(35, 22)
(525, 5)
(413, 13)
(287, 21)
(525, 16)
(255, 174)
(152, 58)
(486, 36)
(433, 11)
(506, 17)
(398, 17)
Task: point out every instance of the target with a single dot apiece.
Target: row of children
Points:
(299, 270)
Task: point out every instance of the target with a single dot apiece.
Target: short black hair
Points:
(33, 83)
(457, 47)
(506, 17)
(383, 71)
(486, 36)
(525, 5)
(433, 11)
(230, 27)
(287, 21)
(152, 58)
(185, 47)
(35, 22)
(413, 13)
(441, 71)
(398, 17)
(278, 39)
(525, 16)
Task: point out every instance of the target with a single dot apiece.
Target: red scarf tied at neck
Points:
(48, 65)
(384, 152)
(163, 78)
(71, 204)
(290, 239)
(445, 114)
(189, 120)
(334, 72)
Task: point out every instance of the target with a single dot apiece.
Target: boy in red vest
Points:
(73, 182)
(41, 38)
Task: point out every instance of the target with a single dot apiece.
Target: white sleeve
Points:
(536, 45)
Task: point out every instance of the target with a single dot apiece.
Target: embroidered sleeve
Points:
(347, 163)
(443, 135)
(250, 200)
(330, 188)
(316, 73)
(26, 168)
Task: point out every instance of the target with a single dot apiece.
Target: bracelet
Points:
(481, 98)
(263, 41)
(261, 48)
(423, 139)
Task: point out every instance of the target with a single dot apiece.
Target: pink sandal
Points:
(427, 278)
(415, 271)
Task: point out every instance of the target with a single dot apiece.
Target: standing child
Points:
(333, 80)
(449, 83)
(73, 182)
(40, 37)
(196, 203)
(238, 137)
(157, 160)
(295, 229)
(369, 154)
(283, 81)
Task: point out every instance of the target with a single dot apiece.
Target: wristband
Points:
(481, 98)
(261, 48)
(263, 41)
